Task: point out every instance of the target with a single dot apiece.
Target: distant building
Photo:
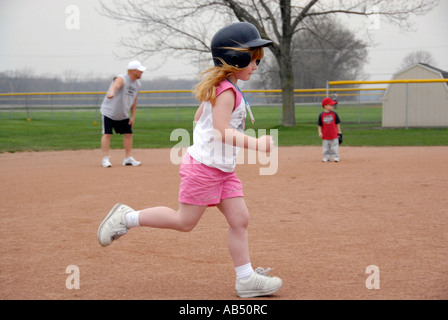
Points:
(427, 103)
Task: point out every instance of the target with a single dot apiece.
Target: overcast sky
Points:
(38, 36)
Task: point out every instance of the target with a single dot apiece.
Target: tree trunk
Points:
(287, 79)
(285, 63)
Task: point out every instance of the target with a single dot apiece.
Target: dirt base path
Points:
(319, 225)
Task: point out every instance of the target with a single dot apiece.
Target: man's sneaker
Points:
(114, 225)
(106, 162)
(131, 162)
(258, 284)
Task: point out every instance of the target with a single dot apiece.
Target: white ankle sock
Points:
(132, 219)
(244, 272)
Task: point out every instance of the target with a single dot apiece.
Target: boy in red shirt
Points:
(328, 125)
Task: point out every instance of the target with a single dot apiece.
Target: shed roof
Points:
(444, 73)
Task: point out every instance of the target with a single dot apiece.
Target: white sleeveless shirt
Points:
(119, 106)
(208, 147)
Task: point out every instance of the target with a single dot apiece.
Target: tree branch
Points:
(303, 14)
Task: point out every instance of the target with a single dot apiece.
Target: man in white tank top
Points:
(121, 98)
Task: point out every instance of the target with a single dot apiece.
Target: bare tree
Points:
(186, 26)
(420, 56)
(328, 51)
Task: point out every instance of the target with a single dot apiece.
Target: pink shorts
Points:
(206, 186)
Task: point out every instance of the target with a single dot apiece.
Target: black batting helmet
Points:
(242, 35)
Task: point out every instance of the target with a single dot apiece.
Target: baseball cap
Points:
(328, 101)
(136, 65)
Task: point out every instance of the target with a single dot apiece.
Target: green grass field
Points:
(72, 130)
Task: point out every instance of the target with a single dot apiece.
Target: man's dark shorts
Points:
(120, 126)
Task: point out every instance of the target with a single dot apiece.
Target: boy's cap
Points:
(136, 65)
(328, 101)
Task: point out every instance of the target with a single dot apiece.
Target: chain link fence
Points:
(357, 104)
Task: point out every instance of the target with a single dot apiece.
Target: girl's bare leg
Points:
(237, 216)
(184, 219)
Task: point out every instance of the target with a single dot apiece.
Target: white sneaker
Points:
(258, 284)
(131, 162)
(106, 162)
(114, 225)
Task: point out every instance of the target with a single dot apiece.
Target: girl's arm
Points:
(222, 111)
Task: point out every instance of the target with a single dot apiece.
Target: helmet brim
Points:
(258, 43)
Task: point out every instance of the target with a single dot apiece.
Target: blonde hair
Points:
(206, 89)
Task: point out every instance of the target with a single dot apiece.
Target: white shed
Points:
(417, 104)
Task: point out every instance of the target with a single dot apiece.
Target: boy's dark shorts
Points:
(120, 126)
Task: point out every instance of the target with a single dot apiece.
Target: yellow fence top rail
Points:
(387, 81)
(252, 91)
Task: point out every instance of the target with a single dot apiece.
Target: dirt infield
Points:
(319, 225)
